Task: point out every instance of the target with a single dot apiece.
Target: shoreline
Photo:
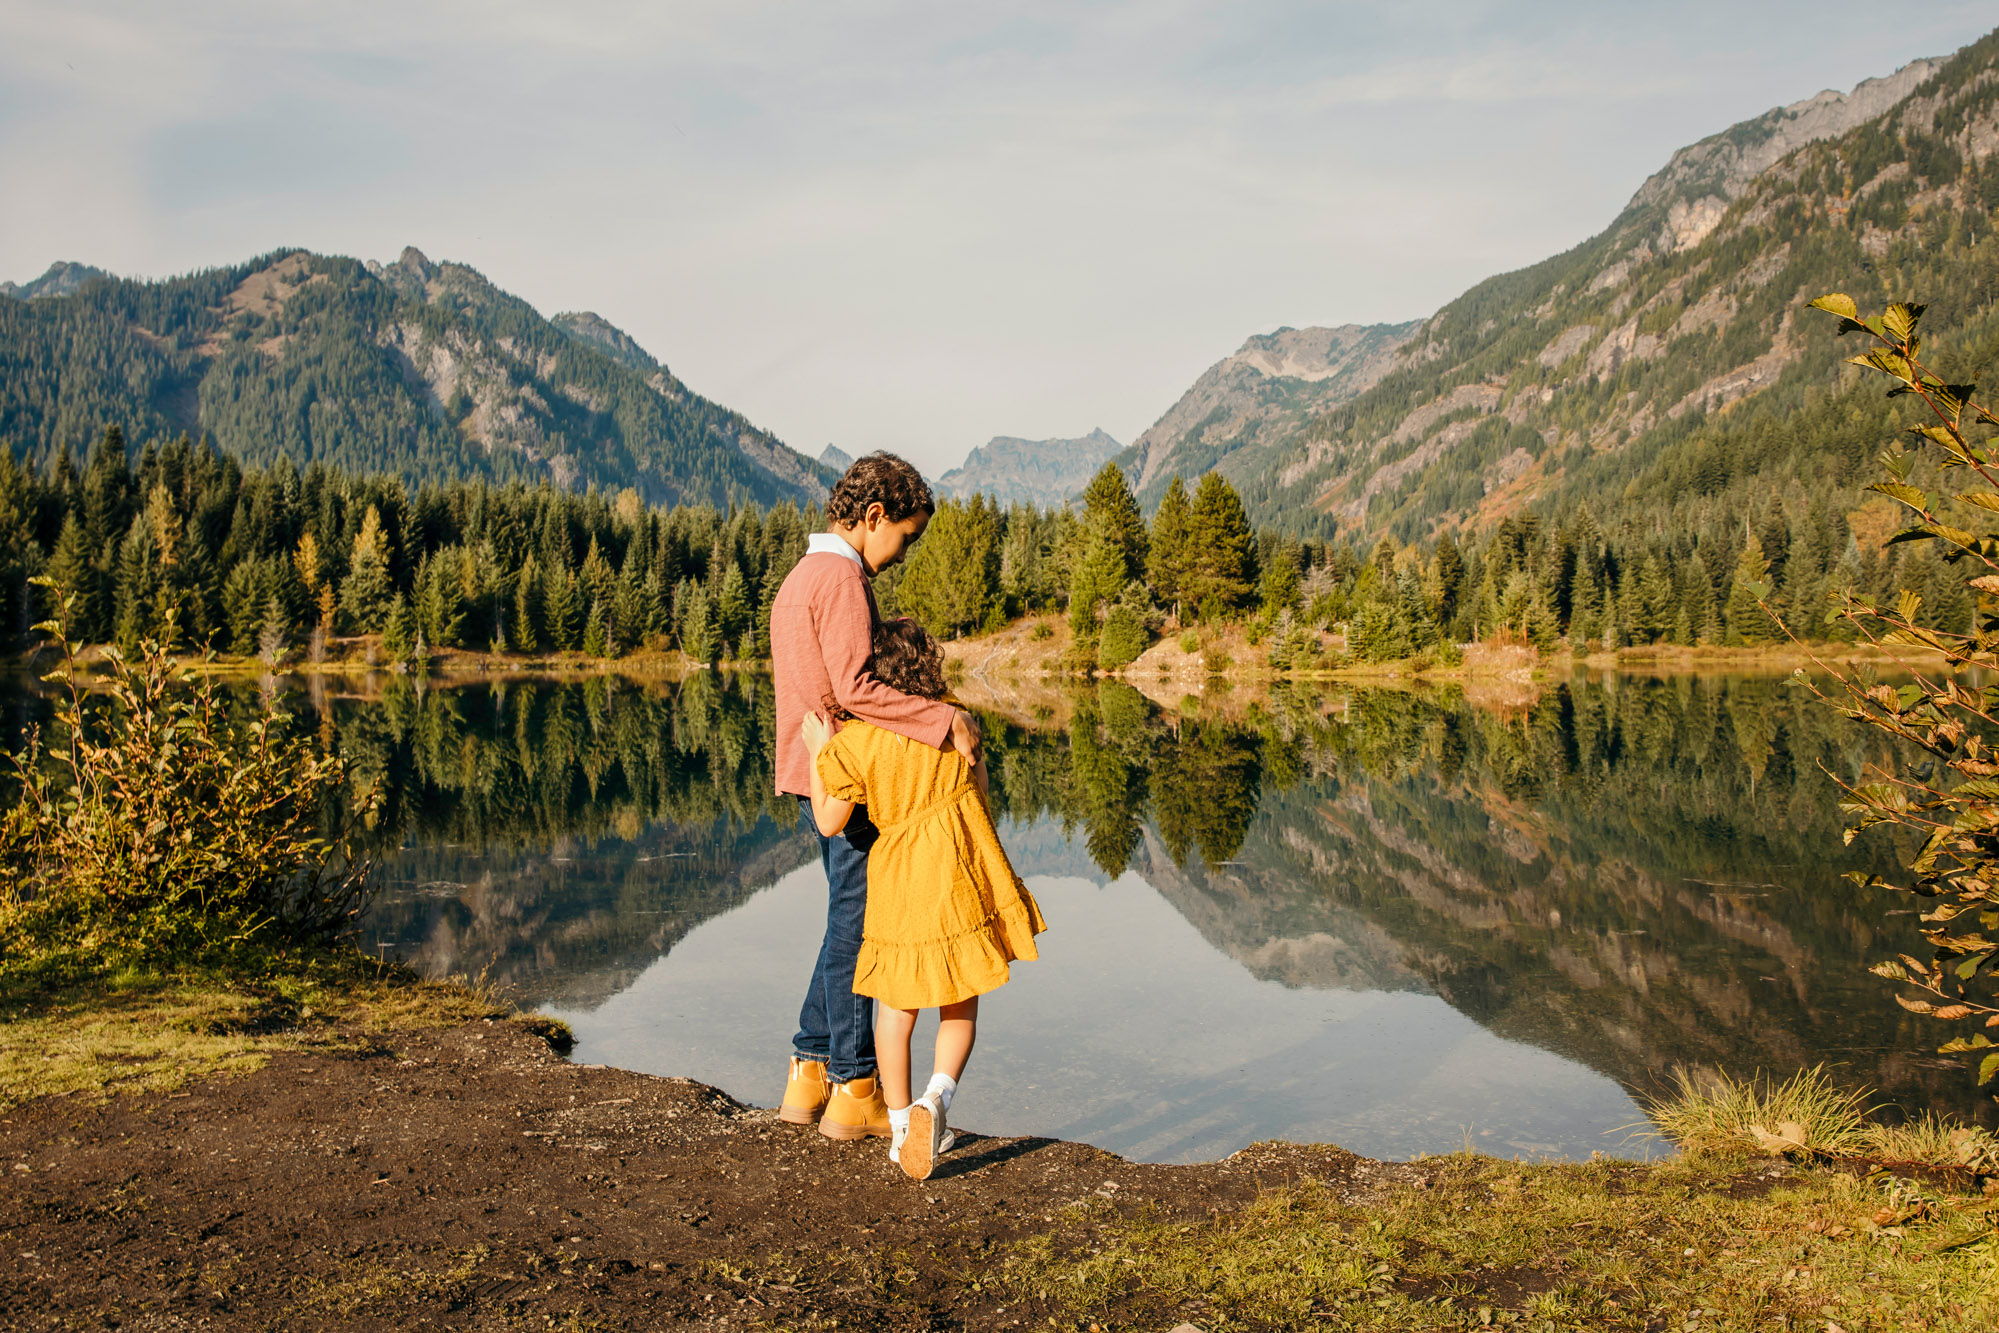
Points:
(423, 1156)
(1012, 654)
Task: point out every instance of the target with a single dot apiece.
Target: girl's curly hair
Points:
(883, 479)
(905, 658)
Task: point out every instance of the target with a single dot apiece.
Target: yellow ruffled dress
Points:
(946, 912)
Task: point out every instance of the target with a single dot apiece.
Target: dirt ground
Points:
(467, 1177)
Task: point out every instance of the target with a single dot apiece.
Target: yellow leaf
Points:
(1837, 303)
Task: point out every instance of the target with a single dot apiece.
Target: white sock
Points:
(943, 1087)
(898, 1120)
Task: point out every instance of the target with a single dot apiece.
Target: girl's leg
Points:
(957, 1027)
(892, 1029)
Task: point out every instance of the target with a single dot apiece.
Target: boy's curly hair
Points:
(905, 658)
(883, 479)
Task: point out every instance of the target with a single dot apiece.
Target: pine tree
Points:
(274, 636)
(1748, 623)
(398, 629)
(657, 605)
(1166, 562)
(1450, 578)
(952, 582)
(1278, 588)
(561, 612)
(1702, 613)
(1219, 570)
(365, 594)
(596, 635)
(1110, 512)
(440, 608)
(1098, 578)
(732, 612)
(527, 607)
(697, 623)
(76, 577)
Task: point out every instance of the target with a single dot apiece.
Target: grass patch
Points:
(1685, 1244)
(139, 1031)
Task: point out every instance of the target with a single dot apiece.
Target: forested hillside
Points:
(427, 371)
(1664, 373)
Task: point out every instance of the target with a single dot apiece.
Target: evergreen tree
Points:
(1450, 578)
(1278, 588)
(952, 581)
(657, 605)
(596, 633)
(697, 623)
(732, 612)
(1166, 562)
(1748, 623)
(561, 611)
(1098, 578)
(440, 606)
(527, 620)
(399, 629)
(364, 597)
(1219, 572)
(1111, 513)
(76, 576)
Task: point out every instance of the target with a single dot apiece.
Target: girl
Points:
(946, 913)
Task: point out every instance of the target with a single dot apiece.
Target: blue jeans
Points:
(834, 1024)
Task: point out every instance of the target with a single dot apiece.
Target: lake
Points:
(1399, 922)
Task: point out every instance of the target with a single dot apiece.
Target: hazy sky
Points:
(901, 225)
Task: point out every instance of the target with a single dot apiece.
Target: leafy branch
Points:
(1949, 796)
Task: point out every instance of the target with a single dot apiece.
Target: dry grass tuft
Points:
(1804, 1115)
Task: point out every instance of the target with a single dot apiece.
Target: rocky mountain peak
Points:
(1271, 386)
(1043, 472)
(590, 327)
(63, 277)
(1699, 181)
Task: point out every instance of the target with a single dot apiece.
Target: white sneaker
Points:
(927, 1140)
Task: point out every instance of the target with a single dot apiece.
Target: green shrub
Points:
(1216, 662)
(1190, 641)
(1042, 630)
(1123, 638)
(149, 826)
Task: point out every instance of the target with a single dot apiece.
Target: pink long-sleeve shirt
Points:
(821, 637)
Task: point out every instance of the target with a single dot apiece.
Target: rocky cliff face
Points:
(1273, 385)
(1554, 385)
(1042, 472)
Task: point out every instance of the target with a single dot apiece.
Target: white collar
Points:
(831, 543)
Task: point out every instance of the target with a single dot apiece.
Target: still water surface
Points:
(1394, 922)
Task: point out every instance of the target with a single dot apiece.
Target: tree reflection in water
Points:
(1633, 872)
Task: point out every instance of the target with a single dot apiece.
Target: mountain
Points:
(836, 458)
(1274, 385)
(62, 278)
(422, 369)
(1042, 472)
(1662, 372)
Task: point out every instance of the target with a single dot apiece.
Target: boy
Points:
(821, 636)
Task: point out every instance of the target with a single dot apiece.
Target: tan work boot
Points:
(805, 1092)
(856, 1110)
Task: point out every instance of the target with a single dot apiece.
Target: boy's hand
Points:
(965, 738)
(816, 731)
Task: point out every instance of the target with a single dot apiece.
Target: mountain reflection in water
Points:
(1384, 919)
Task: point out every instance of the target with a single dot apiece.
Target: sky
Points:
(896, 225)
